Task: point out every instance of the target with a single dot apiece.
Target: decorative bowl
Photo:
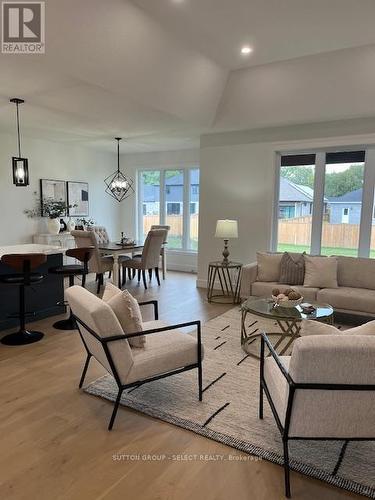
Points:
(288, 304)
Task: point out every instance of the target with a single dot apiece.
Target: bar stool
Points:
(23, 264)
(83, 255)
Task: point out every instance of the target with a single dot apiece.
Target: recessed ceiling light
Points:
(246, 50)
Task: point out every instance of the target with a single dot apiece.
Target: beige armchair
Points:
(324, 390)
(168, 352)
(98, 263)
(150, 257)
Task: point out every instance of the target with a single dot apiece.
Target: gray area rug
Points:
(229, 411)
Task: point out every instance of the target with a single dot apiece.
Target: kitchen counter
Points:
(41, 298)
(31, 248)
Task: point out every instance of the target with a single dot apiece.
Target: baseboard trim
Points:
(201, 283)
(184, 268)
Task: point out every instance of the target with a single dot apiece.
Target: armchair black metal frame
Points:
(117, 338)
(293, 387)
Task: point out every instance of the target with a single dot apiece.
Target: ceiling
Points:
(162, 72)
(277, 30)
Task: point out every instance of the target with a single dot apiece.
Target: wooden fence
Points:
(297, 231)
(176, 223)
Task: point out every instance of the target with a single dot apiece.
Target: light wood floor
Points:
(55, 443)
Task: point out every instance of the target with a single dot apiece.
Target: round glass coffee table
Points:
(287, 319)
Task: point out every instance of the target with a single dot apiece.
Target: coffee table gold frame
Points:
(288, 320)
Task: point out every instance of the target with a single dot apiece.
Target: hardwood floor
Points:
(55, 444)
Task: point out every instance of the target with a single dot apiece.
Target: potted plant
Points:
(51, 208)
(84, 223)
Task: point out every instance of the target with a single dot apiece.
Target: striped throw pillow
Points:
(292, 269)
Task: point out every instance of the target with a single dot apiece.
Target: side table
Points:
(229, 278)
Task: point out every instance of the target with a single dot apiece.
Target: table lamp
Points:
(226, 229)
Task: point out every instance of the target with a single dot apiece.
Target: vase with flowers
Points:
(51, 208)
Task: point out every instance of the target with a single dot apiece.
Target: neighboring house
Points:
(294, 200)
(346, 209)
(174, 191)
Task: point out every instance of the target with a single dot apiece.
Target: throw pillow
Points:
(292, 269)
(268, 266)
(127, 311)
(110, 291)
(320, 272)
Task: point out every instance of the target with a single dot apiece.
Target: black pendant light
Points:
(119, 186)
(20, 166)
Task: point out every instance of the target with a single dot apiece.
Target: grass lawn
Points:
(348, 252)
(175, 243)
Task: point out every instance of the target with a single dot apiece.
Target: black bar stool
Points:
(83, 255)
(23, 264)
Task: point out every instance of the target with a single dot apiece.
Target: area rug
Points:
(229, 411)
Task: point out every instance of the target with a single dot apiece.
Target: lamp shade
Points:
(226, 229)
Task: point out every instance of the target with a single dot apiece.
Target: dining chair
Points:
(163, 251)
(98, 264)
(149, 260)
(101, 233)
(131, 273)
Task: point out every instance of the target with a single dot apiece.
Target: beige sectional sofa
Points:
(355, 293)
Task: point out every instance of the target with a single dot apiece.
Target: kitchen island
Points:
(41, 298)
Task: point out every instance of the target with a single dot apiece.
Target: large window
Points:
(194, 208)
(343, 191)
(295, 203)
(326, 203)
(149, 190)
(170, 197)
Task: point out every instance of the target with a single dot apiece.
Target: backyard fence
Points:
(297, 231)
(176, 223)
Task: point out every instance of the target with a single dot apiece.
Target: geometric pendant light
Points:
(20, 166)
(119, 186)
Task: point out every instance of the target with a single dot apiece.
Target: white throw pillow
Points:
(320, 272)
(110, 291)
(312, 327)
(128, 312)
(269, 266)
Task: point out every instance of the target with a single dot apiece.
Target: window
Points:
(194, 209)
(170, 197)
(149, 194)
(295, 200)
(174, 198)
(343, 190)
(173, 208)
(320, 204)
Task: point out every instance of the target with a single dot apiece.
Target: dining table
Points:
(116, 249)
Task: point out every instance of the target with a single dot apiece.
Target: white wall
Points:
(238, 182)
(49, 160)
(131, 164)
